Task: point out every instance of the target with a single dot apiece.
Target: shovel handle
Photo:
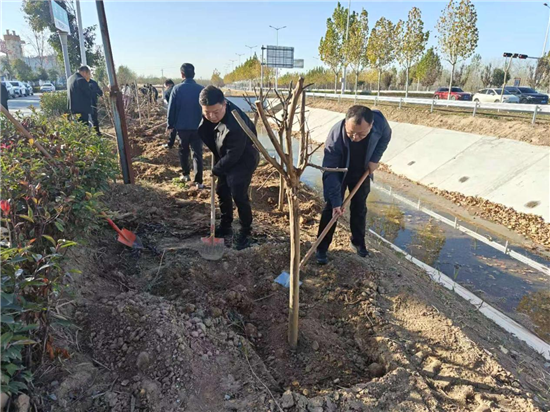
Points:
(333, 220)
(112, 224)
(213, 201)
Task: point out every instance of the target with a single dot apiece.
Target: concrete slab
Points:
(403, 136)
(485, 165)
(528, 191)
(430, 152)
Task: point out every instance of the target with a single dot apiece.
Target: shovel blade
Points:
(130, 239)
(212, 248)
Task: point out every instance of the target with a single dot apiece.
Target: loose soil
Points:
(163, 330)
(510, 127)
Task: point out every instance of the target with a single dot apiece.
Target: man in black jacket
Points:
(356, 143)
(79, 96)
(5, 96)
(96, 93)
(236, 158)
(169, 84)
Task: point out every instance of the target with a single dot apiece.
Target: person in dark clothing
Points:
(184, 116)
(154, 93)
(5, 96)
(235, 157)
(356, 143)
(79, 96)
(169, 84)
(96, 93)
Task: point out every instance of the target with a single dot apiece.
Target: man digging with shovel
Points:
(356, 143)
(235, 158)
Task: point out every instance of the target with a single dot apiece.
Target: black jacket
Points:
(234, 153)
(96, 91)
(5, 96)
(79, 97)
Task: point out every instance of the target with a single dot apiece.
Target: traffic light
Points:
(507, 55)
(522, 56)
(515, 55)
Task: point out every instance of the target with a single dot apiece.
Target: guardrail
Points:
(474, 106)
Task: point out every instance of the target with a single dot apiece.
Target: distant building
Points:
(48, 62)
(12, 45)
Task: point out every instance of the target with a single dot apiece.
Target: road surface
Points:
(22, 104)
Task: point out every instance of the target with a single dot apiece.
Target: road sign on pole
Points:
(298, 63)
(60, 17)
(280, 57)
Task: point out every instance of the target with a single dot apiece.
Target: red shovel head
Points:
(130, 239)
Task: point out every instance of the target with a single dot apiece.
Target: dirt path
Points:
(490, 125)
(164, 330)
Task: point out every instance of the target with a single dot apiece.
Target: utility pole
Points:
(277, 69)
(547, 30)
(507, 68)
(116, 99)
(80, 34)
(347, 36)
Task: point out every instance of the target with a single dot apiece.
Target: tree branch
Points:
(328, 169)
(270, 134)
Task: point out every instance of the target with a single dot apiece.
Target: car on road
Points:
(10, 88)
(28, 86)
(456, 94)
(18, 89)
(492, 95)
(528, 95)
(47, 87)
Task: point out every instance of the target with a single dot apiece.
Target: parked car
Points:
(18, 89)
(456, 94)
(10, 88)
(493, 96)
(30, 91)
(47, 87)
(528, 95)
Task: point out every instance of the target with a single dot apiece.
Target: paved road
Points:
(22, 103)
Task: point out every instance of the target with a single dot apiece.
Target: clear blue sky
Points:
(150, 36)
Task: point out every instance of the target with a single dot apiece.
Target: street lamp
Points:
(277, 69)
(232, 63)
(239, 54)
(547, 30)
(251, 48)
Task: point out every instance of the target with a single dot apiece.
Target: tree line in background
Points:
(394, 55)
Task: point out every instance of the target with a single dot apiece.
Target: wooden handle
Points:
(24, 132)
(333, 220)
(212, 200)
(113, 224)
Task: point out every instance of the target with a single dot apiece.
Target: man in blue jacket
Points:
(356, 143)
(184, 115)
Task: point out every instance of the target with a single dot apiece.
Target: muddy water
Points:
(511, 286)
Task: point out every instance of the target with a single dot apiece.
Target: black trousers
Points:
(95, 120)
(358, 213)
(190, 142)
(82, 118)
(235, 188)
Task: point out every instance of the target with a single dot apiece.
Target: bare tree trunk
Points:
(335, 82)
(379, 77)
(294, 296)
(451, 82)
(356, 80)
(407, 84)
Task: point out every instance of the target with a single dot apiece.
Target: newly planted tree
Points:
(291, 174)
(411, 42)
(381, 45)
(356, 46)
(458, 33)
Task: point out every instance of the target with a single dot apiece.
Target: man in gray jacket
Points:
(356, 143)
(184, 115)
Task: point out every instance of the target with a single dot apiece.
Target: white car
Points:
(18, 88)
(493, 96)
(11, 91)
(47, 87)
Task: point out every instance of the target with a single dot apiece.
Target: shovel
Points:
(211, 247)
(125, 237)
(284, 277)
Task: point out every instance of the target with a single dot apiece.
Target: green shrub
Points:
(54, 103)
(42, 202)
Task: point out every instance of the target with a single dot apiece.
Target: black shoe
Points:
(321, 256)
(223, 231)
(360, 249)
(243, 240)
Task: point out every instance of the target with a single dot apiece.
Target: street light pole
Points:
(547, 30)
(277, 69)
(239, 54)
(251, 48)
(80, 34)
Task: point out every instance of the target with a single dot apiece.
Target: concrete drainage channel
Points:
(461, 259)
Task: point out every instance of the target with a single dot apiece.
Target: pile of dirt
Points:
(501, 126)
(163, 330)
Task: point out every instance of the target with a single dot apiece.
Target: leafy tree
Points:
(458, 33)
(37, 15)
(356, 46)
(497, 78)
(429, 68)
(389, 77)
(38, 40)
(539, 75)
(331, 46)
(125, 75)
(381, 45)
(53, 75)
(22, 70)
(216, 79)
(6, 67)
(411, 42)
(42, 74)
(486, 75)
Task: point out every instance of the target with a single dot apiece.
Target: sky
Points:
(152, 36)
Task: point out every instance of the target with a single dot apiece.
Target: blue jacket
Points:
(337, 154)
(184, 110)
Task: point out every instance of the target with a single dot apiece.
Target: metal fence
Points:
(535, 109)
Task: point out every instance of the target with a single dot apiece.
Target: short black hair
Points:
(359, 113)
(168, 82)
(84, 68)
(188, 70)
(210, 96)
